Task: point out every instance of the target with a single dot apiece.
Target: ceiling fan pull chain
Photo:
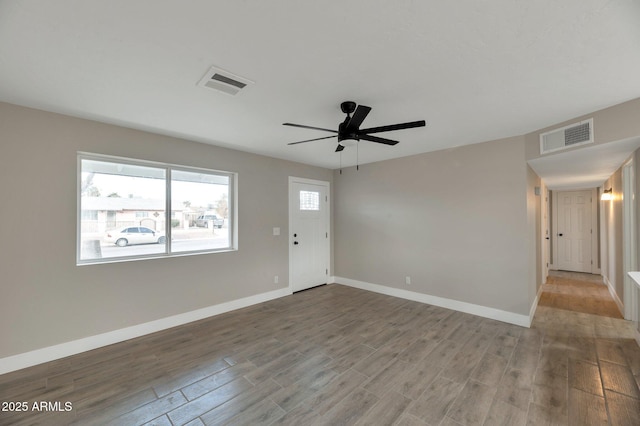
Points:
(340, 162)
(357, 155)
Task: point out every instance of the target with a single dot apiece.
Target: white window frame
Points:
(168, 167)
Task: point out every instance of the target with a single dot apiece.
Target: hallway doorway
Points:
(575, 229)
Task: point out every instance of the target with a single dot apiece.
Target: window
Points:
(309, 200)
(204, 196)
(131, 209)
(89, 215)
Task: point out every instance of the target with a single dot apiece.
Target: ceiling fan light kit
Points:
(348, 142)
(349, 132)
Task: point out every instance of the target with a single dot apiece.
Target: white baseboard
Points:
(469, 308)
(613, 293)
(532, 311)
(39, 356)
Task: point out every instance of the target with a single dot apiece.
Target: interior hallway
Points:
(589, 351)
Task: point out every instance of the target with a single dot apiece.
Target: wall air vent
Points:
(224, 81)
(567, 137)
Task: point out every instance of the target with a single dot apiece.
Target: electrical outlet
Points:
(276, 279)
(407, 280)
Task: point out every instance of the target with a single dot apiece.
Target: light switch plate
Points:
(276, 231)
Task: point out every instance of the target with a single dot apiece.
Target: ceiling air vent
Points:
(567, 137)
(224, 81)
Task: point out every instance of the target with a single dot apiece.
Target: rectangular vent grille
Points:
(227, 80)
(578, 134)
(224, 81)
(566, 137)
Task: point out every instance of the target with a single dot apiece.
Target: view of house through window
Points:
(132, 209)
(200, 212)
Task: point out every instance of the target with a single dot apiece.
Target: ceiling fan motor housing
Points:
(348, 107)
(344, 134)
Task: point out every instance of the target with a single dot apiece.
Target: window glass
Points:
(199, 211)
(89, 214)
(124, 189)
(309, 200)
(123, 209)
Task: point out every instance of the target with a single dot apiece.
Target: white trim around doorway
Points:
(327, 185)
(595, 228)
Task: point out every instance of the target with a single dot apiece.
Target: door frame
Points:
(629, 259)
(545, 230)
(595, 228)
(327, 218)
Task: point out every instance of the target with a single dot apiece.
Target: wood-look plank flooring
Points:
(579, 293)
(336, 355)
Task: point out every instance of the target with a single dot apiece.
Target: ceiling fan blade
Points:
(358, 117)
(377, 139)
(391, 127)
(309, 127)
(339, 148)
(310, 140)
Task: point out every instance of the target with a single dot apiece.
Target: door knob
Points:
(295, 243)
(559, 235)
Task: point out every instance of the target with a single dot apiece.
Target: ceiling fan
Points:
(349, 131)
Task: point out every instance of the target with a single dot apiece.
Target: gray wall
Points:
(613, 258)
(612, 267)
(534, 223)
(456, 221)
(612, 124)
(46, 299)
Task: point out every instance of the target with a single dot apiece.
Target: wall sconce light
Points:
(607, 195)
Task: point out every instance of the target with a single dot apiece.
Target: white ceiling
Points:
(474, 70)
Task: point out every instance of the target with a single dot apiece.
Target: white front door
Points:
(308, 233)
(574, 231)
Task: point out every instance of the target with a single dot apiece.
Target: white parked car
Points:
(129, 235)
